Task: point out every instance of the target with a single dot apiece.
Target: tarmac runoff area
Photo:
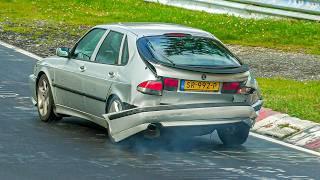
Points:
(74, 148)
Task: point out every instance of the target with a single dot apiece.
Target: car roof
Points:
(151, 29)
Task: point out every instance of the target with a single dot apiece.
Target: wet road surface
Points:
(78, 149)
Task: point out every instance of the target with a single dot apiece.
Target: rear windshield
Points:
(187, 50)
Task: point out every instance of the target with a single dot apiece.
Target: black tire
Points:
(234, 135)
(49, 115)
(110, 102)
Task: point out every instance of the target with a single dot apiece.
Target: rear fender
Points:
(256, 95)
(121, 90)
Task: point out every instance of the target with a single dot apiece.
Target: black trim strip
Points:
(79, 93)
(172, 107)
(243, 68)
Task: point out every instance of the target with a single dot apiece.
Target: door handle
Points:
(111, 74)
(82, 68)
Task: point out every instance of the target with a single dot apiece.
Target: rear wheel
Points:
(114, 105)
(45, 102)
(234, 134)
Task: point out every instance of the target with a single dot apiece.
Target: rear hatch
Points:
(193, 69)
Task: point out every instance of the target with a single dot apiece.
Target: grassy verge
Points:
(292, 35)
(299, 99)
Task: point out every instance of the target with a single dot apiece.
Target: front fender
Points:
(44, 68)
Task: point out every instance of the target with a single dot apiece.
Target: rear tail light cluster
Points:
(230, 87)
(235, 88)
(155, 87)
(170, 84)
(245, 90)
(151, 87)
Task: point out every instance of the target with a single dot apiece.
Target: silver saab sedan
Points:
(149, 78)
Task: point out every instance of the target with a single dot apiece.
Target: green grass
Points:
(289, 35)
(300, 99)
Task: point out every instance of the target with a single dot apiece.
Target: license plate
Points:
(206, 86)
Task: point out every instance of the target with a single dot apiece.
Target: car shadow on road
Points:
(139, 143)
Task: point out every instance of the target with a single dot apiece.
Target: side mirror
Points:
(63, 52)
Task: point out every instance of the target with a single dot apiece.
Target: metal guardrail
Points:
(243, 9)
(303, 6)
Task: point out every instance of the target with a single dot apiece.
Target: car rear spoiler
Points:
(221, 70)
(180, 73)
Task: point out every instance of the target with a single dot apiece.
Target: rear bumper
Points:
(129, 122)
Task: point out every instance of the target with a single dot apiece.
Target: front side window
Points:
(87, 44)
(188, 50)
(110, 48)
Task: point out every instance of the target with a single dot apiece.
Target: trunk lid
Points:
(182, 96)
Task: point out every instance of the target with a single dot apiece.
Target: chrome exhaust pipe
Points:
(152, 131)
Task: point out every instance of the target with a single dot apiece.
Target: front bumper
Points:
(32, 85)
(129, 122)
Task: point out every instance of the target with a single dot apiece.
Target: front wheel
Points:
(45, 102)
(233, 135)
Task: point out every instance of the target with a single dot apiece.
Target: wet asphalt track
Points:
(77, 149)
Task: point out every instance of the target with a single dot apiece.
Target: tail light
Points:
(230, 87)
(170, 84)
(235, 87)
(245, 90)
(151, 87)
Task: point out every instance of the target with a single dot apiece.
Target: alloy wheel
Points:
(43, 97)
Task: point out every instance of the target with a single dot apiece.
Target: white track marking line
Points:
(284, 144)
(20, 50)
(251, 133)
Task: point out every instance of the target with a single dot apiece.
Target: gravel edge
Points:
(44, 38)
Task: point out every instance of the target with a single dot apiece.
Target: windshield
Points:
(187, 50)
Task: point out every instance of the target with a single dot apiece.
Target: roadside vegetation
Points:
(292, 35)
(299, 99)
(74, 17)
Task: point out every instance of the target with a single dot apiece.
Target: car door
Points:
(69, 73)
(102, 72)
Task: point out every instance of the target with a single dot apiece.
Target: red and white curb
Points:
(292, 130)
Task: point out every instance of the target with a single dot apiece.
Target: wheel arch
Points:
(125, 103)
(108, 102)
(122, 91)
(44, 71)
(38, 77)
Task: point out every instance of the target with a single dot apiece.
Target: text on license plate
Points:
(187, 85)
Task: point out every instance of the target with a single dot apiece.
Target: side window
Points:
(87, 44)
(110, 48)
(125, 52)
